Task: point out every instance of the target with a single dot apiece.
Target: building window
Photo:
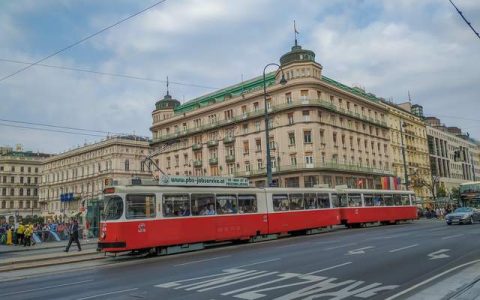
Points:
(246, 147)
(290, 119)
(257, 125)
(259, 164)
(307, 137)
(288, 97)
(245, 128)
(256, 107)
(258, 145)
(228, 114)
(308, 159)
(231, 169)
(293, 160)
(334, 136)
(306, 115)
(291, 138)
(304, 95)
(247, 166)
(127, 165)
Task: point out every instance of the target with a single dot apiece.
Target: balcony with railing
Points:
(230, 158)
(213, 161)
(228, 140)
(197, 163)
(212, 143)
(324, 166)
(196, 147)
(274, 108)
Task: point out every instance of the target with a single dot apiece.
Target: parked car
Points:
(463, 215)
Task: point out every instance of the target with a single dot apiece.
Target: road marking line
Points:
(257, 263)
(403, 248)
(199, 261)
(359, 250)
(105, 294)
(329, 268)
(452, 236)
(46, 287)
(342, 246)
(431, 279)
(439, 254)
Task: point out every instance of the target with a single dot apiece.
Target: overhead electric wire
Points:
(466, 21)
(61, 127)
(109, 74)
(81, 41)
(52, 130)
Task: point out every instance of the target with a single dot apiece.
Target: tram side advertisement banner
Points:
(204, 181)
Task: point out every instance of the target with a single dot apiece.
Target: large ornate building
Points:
(81, 174)
(408, 131)
(320, 131)
(454, 157)
(20, 175)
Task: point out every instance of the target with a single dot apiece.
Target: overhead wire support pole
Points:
(466, 21)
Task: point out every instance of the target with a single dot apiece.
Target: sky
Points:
(390, 48)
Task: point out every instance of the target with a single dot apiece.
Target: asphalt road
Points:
(374, 263)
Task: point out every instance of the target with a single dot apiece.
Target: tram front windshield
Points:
(113, 208)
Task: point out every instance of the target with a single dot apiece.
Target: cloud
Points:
(390, 47)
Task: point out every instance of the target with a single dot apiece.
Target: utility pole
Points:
(402, 124)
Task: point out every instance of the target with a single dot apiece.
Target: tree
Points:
(431, 184)
(441, 191)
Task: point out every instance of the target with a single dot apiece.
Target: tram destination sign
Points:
(204, 181)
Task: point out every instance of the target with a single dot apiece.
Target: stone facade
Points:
(321, 131)
(84, 172)
(20, 176)
(454, 157)
(403, 123)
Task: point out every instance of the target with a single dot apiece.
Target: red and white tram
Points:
(169, 218)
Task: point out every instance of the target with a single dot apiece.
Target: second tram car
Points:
(142, 217)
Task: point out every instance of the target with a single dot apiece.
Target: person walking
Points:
(20, 232)
(73, 228)
(27, 235)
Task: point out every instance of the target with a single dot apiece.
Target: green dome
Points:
(297, 55)
(167, 102)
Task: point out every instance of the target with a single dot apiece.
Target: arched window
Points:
(127, 165)
(21, 191)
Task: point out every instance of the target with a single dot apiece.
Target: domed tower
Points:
(164, 109)
(300, 63)
(167, 102)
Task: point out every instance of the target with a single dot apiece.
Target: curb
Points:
(14, 267)
(36, 259)
(33, 248)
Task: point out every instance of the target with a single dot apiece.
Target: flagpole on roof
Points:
(295, 32)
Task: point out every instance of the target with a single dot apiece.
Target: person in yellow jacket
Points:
(20, 234)
(27, 235)
(9, 236)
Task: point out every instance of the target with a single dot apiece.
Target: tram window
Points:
(378, 200)
(310, 200)
(335, 200)
(405, 200)
(342, 200)
(280, 202)
(388, 200)
(247, 204)
(113, 208)
(176, 205)
(203, 204)
(226, 204)
(140, 206)
(369, 199)
(323, 201)
(296, 201)
(354, 200)
(397, 199)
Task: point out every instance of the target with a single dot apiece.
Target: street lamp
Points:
(267, 136)
(402, 124)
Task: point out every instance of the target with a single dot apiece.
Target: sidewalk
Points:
(41, 246)
(464, 285)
